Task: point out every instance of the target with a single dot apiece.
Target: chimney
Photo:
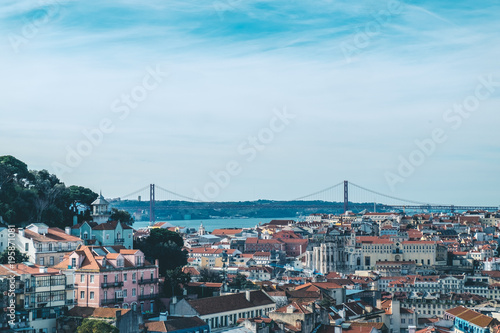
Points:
(67, 230)
(75, 220)
(412, 329)
(247, 295)
(43, 269)
(163, 316)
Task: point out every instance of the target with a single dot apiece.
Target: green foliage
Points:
(16, 254)
(122, 216)
(38, 196)
(326, 303)
(164, 245)
(240, 282)
(173, 279)
(208, 275)
(96, 326)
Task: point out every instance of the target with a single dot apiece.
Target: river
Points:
(211, 224)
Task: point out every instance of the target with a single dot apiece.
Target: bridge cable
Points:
(324, 190)
(135, 192)
(179, 195)
(392, 197)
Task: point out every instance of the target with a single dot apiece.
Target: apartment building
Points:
(45, 246)
(113, 276)
(41, 294)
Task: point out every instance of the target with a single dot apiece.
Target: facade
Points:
(45, 246)
(224, 311)
(325, 257)
(113, 277)
(466, 321)
(100, 210)
(109, 233)
(41, 295)
(301, 317)
(263, 245)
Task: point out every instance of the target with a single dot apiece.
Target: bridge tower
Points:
(152, 218)
(346, 196)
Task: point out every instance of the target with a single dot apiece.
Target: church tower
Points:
(100, 210)
(201, 230)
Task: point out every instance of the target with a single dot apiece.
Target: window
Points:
(91, 295)
(42, 261)
(82, 294)
(85, 235)
(134, 277)
(51, 261)
(116, 277)
(50, 246)
(124, 292)
(105, 295)
(124, 276)
(152, 274)
(92, 278)
(152, 306)
(107, 236)
(82, 278)
(105, 279)
(61, 258)
(133, 291)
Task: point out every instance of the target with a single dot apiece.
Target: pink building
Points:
(112, 276)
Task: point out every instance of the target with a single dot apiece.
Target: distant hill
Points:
(179, 210)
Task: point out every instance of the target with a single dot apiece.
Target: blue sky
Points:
(363, 80)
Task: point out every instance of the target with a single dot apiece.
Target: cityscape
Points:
(364, 271)
(257, 166)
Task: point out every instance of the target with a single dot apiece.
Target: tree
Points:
(15, 254)
(239, 281)
(208, 275)
(122, 216)
(173, 279)
(164, 245)
(38, 196)
(96, 326)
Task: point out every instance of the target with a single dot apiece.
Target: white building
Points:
(45, 246)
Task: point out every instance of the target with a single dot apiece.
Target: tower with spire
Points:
(100, 210)
(201, 230)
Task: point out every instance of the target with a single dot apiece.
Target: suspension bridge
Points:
(339, 196)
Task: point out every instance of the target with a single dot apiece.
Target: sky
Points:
(243, 100)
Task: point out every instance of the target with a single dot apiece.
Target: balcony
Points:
(150, 296)
(119, 240)
(70, 286)
(115, 300)
(70, 302)
(146, 281)
(112, 284)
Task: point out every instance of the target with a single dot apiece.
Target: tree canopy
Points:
(96, 326)
(164, 245)
(28, 196)
(15, 254)
(122, 216)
